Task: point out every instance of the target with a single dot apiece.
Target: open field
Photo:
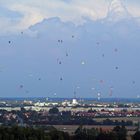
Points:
(71, 128)
(134, 119)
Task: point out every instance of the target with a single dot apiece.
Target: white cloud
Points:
(35, 11)
(134, 10)
(31, 15)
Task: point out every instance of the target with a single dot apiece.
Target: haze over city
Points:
(67, 48)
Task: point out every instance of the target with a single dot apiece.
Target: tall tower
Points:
(99, 96)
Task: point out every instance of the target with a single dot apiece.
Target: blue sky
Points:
(99, 52)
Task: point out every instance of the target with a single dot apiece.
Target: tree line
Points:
(81, 133)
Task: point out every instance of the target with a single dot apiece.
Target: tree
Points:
(54, 110)
(136, 136)
(47, 138)
(121, 132)
(80, 133)
(107, 136)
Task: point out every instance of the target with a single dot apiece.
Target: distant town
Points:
(68, 112)
(70, 115)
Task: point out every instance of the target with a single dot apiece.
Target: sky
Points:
(56, 48)
(17, 15)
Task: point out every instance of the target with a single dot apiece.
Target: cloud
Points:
(134, 10)
(31, 15)
(34, 11)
